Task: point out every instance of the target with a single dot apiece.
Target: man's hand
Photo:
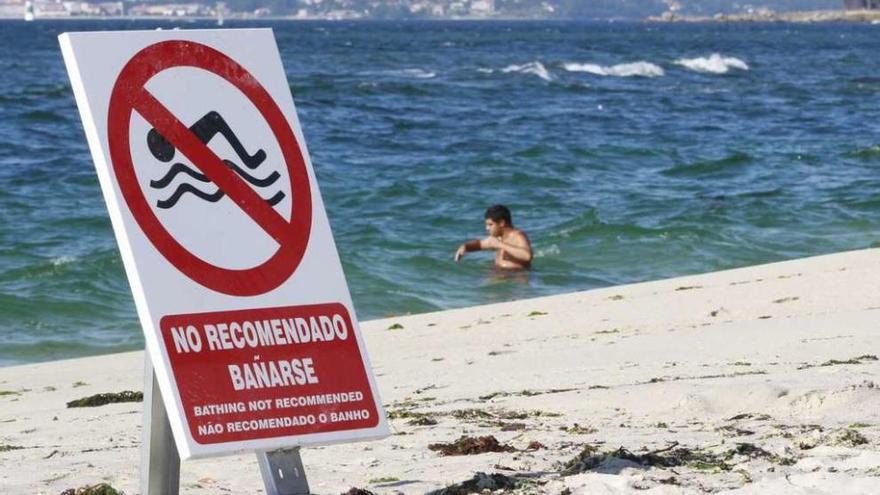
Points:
(459, 253)
(473, 245)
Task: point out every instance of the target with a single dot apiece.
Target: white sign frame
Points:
(94, 61)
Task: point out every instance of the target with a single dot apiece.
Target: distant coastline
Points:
(193, 18)
(812, 16)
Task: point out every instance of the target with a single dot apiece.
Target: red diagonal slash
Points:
(211, 165)
(130, 95)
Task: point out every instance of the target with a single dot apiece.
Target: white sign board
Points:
(215, 206)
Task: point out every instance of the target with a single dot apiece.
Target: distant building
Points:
(861, 4)
(482, 7)
(170, 10)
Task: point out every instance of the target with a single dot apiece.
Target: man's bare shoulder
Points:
(518, 236)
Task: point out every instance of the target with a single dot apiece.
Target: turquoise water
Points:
(678, 164)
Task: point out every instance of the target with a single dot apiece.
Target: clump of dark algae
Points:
(479, 483)
(99, 489)
(589, 459)
(108, 398)
(471, 446)
(358, 491)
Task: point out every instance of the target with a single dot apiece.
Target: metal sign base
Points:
(282, 470)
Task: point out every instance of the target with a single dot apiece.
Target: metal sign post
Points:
(282, 470)
(160, 462)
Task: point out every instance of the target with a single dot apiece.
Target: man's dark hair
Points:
(499, 212)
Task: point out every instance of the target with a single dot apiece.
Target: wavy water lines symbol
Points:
(205, 129)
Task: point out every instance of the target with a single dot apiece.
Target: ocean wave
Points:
(45, 91)
(63, 260)
(730, 163)
(534, 68)
(713, 64)
(551, 250)
(576, 226)
(403, 87)
(42, 116)
(640, 69)
(590, 227)
(415, 73)
(869, 152)
(864, 85)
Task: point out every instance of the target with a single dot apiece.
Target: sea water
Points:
(627, 151)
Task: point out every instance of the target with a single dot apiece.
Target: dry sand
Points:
(756, 380)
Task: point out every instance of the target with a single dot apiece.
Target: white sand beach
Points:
(756, 380)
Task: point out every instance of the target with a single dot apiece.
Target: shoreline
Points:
(802, 17)
(765, 375)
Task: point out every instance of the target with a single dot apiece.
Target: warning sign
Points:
(130, 95)
(290, 371)
(225, 240)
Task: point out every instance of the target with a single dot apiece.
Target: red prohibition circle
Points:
(130, 94)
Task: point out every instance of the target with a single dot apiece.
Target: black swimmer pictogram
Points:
(205, 129)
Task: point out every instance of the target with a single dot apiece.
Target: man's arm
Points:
(518, 248)
(473, 245)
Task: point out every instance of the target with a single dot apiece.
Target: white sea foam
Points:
(416, 73)
(640, 69)
(551, 250)
(713, 64)
(63, 260)
(535, 68)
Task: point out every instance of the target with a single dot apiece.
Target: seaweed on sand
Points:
(577, 429)
(847, 437)
(422, 421)
(479, 483)
(466, 445)
(471, 414)
(99, 489)
(754, 452)
(358, 491)
(414, 418)
(589, 459)
(671, 456)
(108, 398)
(754, 416)
(835, 362)
(385, 479)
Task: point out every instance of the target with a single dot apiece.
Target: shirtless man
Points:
(513, 251)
